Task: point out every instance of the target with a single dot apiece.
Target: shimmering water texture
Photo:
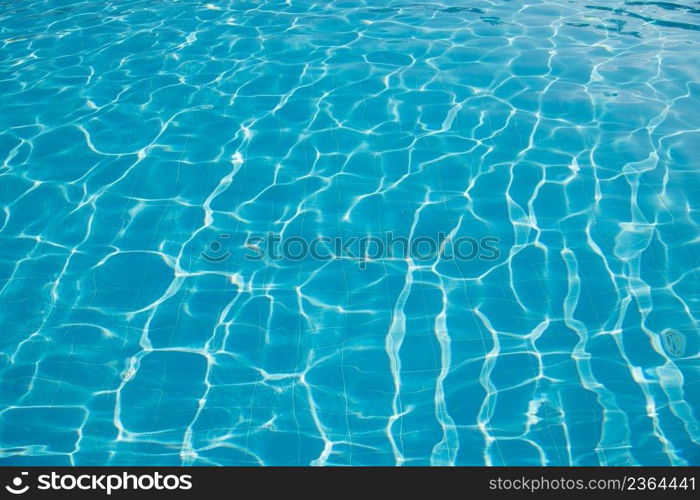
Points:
(137, 135)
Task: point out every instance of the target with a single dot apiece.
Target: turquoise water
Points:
(142, 144)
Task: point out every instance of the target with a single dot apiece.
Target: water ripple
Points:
(137, 137)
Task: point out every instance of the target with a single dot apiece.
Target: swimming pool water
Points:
(142, 143)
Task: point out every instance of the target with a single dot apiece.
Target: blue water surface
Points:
(142, 143)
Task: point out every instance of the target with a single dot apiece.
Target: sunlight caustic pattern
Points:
(135, 133)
